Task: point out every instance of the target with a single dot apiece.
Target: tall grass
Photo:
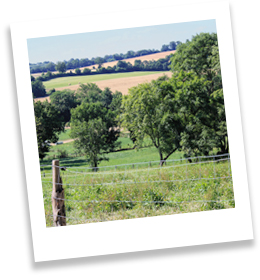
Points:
(141, 190)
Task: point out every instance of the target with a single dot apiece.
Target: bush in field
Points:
(62, 153)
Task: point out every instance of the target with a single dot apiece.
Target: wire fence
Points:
(141, 189)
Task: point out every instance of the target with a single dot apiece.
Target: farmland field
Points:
(65, 81)
(120, 82)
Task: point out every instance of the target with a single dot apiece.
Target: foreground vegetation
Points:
(143, 190)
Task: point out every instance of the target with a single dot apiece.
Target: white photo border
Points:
(142, 233)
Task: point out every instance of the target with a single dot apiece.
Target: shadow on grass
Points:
(69, 162)
(73, 162)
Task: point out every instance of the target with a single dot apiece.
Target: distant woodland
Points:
(62, 66)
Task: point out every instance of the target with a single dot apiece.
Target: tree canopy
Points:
(38, 89)
(48, 125)
(64, 101)
(94, 123)
(185, 112)
(95, 130)
(207, 123)
(61, 67)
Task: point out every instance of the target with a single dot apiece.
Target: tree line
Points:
(163, 64)
(183, 113)
(43, 67)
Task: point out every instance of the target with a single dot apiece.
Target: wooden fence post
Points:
(58, 204)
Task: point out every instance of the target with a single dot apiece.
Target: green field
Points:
(65, 81)
(132, 184)
(148, 153)
(65, 135)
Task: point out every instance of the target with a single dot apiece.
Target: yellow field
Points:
(120, 84)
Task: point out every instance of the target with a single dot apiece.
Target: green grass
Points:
(141, 191)
(124, 186)
(65, 135)
(115, 158)
(65, 81)
(130, 156)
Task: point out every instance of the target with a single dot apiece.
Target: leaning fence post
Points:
(58, 204)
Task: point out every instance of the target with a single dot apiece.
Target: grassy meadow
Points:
(132, 184)
(143, 190)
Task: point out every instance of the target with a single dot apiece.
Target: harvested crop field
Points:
(77, 80)
(120, 84)
(155, 56)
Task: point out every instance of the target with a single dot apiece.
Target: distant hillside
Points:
(149, 57)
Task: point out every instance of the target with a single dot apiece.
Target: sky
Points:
(101, 43)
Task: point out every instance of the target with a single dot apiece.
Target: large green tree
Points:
(64, 101)
(206, 126)
(89, 92)
(95, 129)
(150, 110)
(38, 89)
(48, 125)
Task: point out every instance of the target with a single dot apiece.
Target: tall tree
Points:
(172, 45)
(150, 109)
(164, 48)
(64, 101)
(99, 61)
(48, 125)
(38, 89)
(89, 92)
(61, 67)
(95, 130)
(207, 128)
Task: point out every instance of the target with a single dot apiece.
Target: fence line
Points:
(145, 162)
(135, 178)
(138, 170)
(143, 201)
(140, 182)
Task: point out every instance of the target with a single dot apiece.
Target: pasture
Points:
(142, 190)
(132, 185)
(146, 153)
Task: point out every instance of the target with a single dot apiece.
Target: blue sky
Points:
(93, 44)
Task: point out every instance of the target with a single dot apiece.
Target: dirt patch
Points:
(63, 142)
(41, 99)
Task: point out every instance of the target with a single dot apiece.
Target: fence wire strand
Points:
(147, 174)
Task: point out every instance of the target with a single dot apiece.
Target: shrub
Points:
(62, 154)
